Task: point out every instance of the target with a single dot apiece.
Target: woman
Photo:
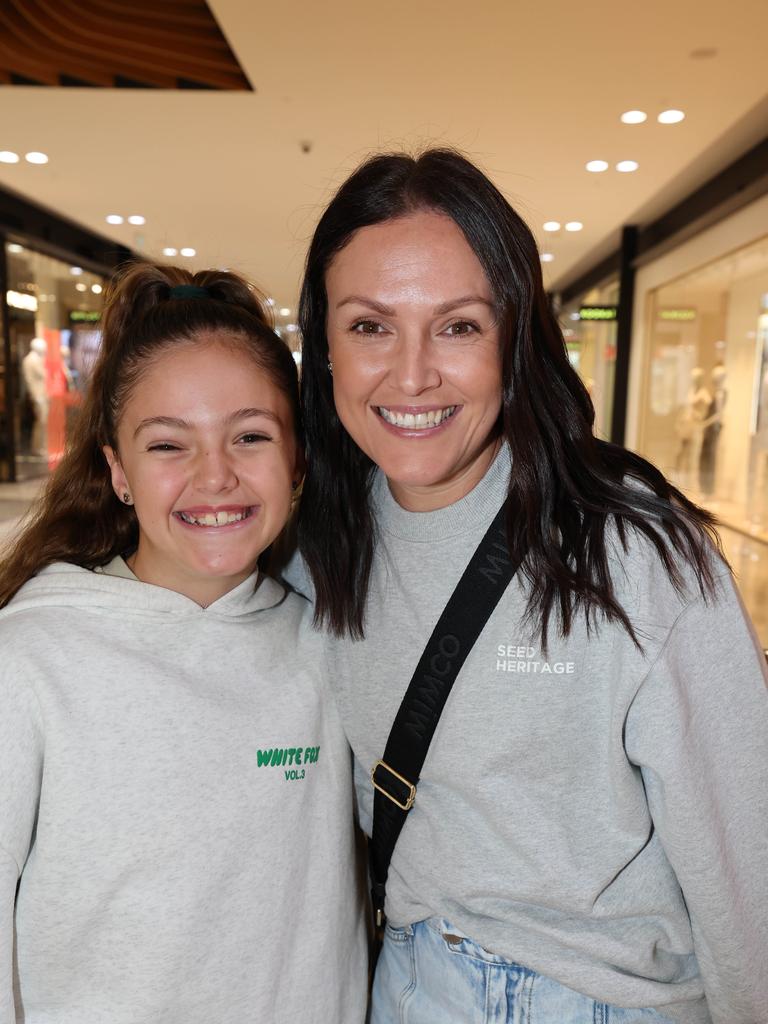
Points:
(588, 839)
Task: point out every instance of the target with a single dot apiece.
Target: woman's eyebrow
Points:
(444, 307)
(363, 301)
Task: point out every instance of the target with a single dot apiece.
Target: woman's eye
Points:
(367, 327)
(461, 328)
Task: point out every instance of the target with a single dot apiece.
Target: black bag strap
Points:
(396, 776)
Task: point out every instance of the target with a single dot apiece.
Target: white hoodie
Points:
(175, 797)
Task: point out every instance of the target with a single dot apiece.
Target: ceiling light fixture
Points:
(96, 289)
(114, 218)
(551, 225)
(634, 116)
(547, 257)
(671, 117)
(36, 158)
(7, 157)
(574, 225)
(284, 311)
(76, 271)
(187, 251)
(81, 287)
(596, 166)
(15, 248)
(170, 251)
(136, 218)
(627, 166)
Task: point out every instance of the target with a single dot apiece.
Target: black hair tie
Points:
(189, 291)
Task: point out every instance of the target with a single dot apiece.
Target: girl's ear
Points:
(119, 479)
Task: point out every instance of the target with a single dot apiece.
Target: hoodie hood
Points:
(71, 586)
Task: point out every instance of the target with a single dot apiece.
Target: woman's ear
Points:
(117, 474)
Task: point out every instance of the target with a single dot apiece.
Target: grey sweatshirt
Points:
(176, 800)
(599, 813)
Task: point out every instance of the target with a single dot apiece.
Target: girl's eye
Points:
(163, 446)
(461, 328)
(367, 327)
(253, 438)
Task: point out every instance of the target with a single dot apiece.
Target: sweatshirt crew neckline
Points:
(480, 505)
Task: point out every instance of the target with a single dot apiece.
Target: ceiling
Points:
(530, 90)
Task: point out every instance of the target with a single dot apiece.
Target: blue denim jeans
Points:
(426, 974)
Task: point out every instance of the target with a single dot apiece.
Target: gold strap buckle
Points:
(409, 786)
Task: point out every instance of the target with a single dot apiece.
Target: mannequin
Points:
(34, 373)
(712, 426)
(690, 426)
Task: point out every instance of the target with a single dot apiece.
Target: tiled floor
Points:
(748, 555)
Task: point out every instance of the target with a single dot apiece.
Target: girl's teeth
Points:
(220, 518)
(419, 420)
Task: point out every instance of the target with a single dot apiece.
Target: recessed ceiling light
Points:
(634, 116)
(596, 166)
(76, 270)
(170, 251)
(671, 117)
(36, 158)
(547, 257)
(574, 225)
(7, 157)
(136, 218)
(291, 328)
(114, 218)
(81, 287)
(14, 247)
(187, 251)
(551, 225)
(575, 316)
(284, 311)
(96, 289)
(625, 166)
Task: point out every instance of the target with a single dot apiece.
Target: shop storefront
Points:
(53, 276)
(53, 320)
(699, 382)
(589, 328)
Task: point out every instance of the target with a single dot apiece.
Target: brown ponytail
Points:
(79, 518)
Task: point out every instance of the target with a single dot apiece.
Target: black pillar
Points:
(624, 332)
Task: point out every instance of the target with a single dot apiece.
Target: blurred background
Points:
(632, 138)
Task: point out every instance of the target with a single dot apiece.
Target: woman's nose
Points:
(414, 365)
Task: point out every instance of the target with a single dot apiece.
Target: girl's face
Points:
(414, 341)
(207, 452)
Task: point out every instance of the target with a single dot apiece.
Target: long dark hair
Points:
(79, 518)
(567, 485)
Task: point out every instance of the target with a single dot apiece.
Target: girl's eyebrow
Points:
(179, 424)
(161, 421)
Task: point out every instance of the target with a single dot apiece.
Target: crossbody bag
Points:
(396, 776)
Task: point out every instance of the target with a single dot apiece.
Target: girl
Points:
(175, 809)
(588, 840)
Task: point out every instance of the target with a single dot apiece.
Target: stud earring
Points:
(127, 498)
(330, 367)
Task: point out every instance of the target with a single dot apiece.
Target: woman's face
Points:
(414, 340)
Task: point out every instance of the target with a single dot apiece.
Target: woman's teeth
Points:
(220, 518)
(417, 420)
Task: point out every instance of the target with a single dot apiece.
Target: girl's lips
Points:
(220, 518)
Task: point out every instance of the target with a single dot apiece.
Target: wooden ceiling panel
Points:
(169, 44)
